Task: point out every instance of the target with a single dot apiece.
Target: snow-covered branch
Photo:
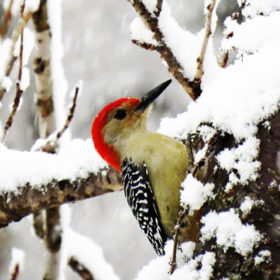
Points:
(27, 199)
(152, 20)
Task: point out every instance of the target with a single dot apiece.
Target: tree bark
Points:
(28, 199)
(264, 216)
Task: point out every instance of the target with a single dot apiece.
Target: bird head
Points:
(120, 119)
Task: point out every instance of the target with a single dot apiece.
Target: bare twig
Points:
(224, 59)
(177, 231)
(18, 32)
(144, 45)
(158, 7)
(19, 91)
(208, 32)
(70, 114)
(50, 144)
(6, 21)
(15, 272)
(78, 267)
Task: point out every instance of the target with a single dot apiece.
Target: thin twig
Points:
(158, 7)
(19, 91)
(51, 142)
(181, 215)
(15, 272)
(208, 32)
(80, 269)
(18, 32)
(70, 113)
(144, 45)
(7, 20)
(224, 59)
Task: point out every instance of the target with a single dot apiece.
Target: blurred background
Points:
(98, 51)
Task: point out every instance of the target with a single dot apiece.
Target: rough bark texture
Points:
(264, 216)
(29, 199)
(41, 65)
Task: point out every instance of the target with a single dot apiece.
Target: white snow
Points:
(248, 203)
(228, 230)
(256, 7)
(17, 257)
(158, 268)
(31, 6)
(141, 33)
(25, 79)
(194, 193)
(262, 256)
(253, 34)
(75, 159)
(184, 45)
(150, 5)
(88, 253)
(241, 162)
(7, 83)
(189, 271)
(59, 82)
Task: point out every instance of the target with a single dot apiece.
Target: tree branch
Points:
(6, 21)
(208, 32)
(15, 272)
(19, 91)
(28, 199)
(174, 67)
(80, 269)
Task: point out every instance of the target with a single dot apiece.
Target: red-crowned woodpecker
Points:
(152, 165)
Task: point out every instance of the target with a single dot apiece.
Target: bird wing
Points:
(140, 197)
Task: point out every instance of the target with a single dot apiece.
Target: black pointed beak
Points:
(149, 97)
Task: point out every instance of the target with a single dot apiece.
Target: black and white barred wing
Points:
(140, 197)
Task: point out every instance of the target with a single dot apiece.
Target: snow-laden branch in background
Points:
(32, 181)
(184, 53)
(78, 249)
(8, 45)
(19, 84)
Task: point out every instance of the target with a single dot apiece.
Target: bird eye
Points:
(120, 114)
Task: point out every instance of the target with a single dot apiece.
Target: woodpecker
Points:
(152, 165)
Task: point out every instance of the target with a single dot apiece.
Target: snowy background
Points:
(98, 51)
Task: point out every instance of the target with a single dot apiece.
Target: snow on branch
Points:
(183, 51)
(33, 181)
(85, 257)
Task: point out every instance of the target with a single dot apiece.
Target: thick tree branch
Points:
(264, 214)
(28, 199)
